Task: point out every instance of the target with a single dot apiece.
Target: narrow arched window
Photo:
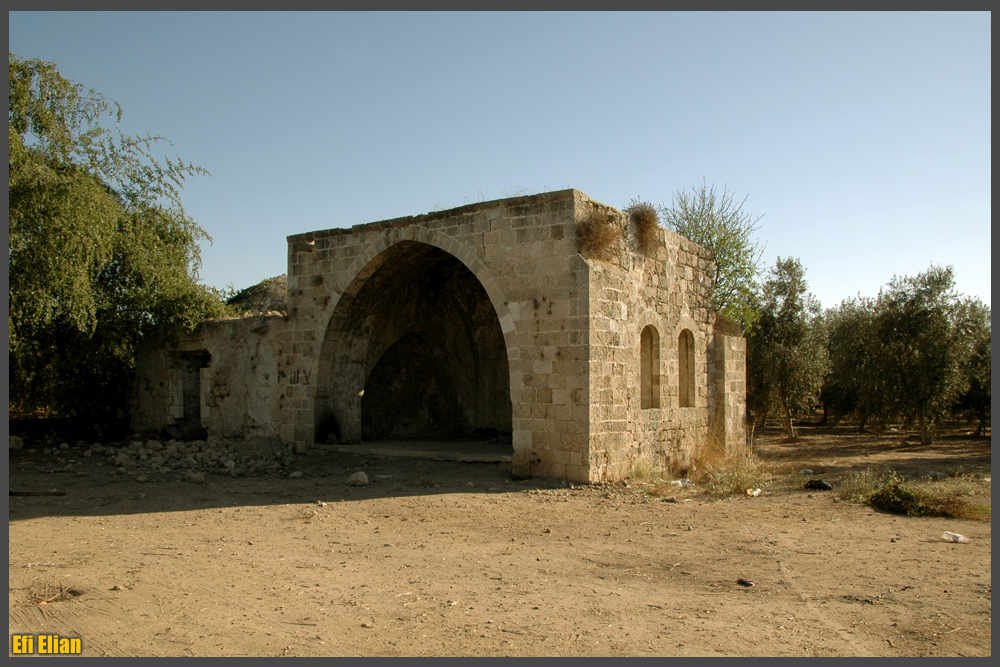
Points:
(685, 363)
(649, 362)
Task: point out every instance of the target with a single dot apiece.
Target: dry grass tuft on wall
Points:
(646, 222)
(597, 235)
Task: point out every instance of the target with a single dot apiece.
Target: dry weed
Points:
(859, 485)
(651, 478)
(957, 508)
(655, 479)
(738, 475)
(597, 235)
(646, 221)
(727, 475)
(649, 472)
(959, 496)
(42, 593)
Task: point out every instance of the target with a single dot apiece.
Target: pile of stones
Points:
(192, 460)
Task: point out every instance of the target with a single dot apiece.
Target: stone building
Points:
(483, 319)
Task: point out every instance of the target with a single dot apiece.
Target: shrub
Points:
(889, 492)
(893, 494)
(646, 221)
(597, 235)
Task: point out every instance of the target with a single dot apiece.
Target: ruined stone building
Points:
(480, 319)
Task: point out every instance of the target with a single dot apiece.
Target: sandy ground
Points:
(441, 559)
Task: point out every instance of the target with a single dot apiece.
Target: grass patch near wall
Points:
(652, 479)
(648, 472)
(737, 476)
(655, 479)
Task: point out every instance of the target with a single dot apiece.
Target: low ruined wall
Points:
(155, 391)
(234, 394)
(239, 388)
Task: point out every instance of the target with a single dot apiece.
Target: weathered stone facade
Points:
(484, 318)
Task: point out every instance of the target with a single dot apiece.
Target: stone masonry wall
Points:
(522, 251)
(402, 307)
(729, 380)
(237, 389)
(671, 291)
(155, 390)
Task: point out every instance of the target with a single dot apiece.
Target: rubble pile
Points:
(144, 458)
(200, 456)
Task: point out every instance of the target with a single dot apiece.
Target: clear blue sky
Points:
(864, 139)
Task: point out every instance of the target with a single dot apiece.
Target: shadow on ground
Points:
(97, 489)
(843, 448)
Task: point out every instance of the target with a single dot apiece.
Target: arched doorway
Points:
(414, 349)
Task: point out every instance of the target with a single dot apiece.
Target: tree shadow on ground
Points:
(842, 447)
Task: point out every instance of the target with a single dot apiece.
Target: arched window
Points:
(649, 361)
(685, 374)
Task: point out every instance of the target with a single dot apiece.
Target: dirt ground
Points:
(441, 559)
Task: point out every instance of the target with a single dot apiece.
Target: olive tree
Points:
(918, 347)
(856, 382)
(975, 331)
(787, 353)
(912, 354)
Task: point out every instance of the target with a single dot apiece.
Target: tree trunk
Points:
(789, 429)
(861, 424)
(925, 436)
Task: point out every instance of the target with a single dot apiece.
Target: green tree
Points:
(913, 353)
(856, 383)
(839, 394)
(101, 251)
(918, 349)
(787, 353)
(974, 333)
(719, 223)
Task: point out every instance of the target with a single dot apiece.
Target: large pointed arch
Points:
(417, 341)
(369, 260)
